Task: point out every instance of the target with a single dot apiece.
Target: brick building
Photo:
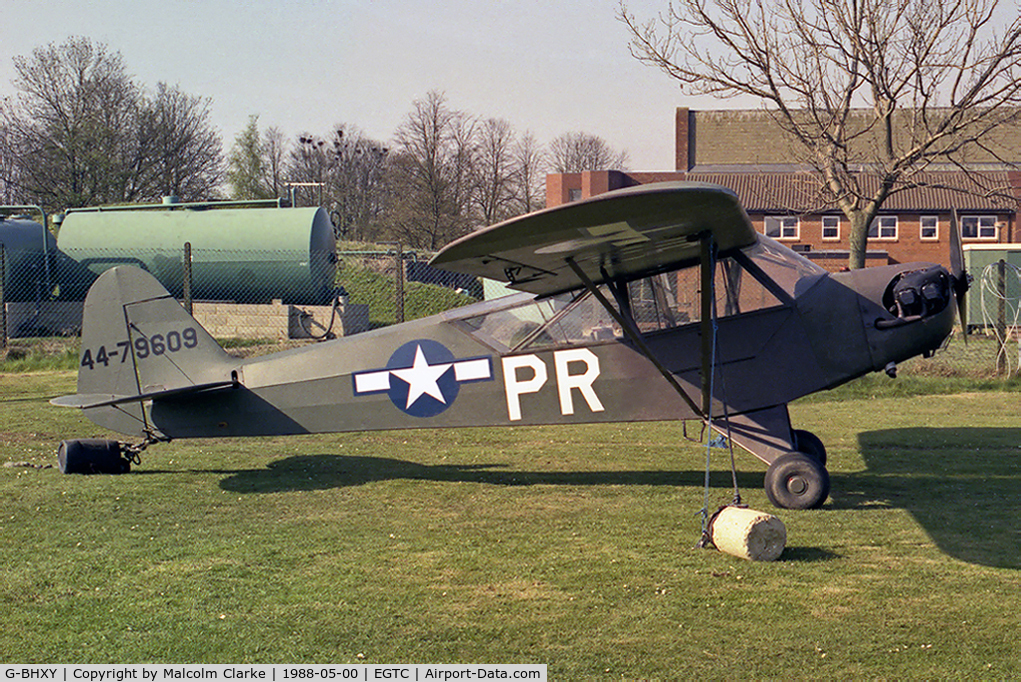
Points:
(745, 151)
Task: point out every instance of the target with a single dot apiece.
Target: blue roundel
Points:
(422, 381)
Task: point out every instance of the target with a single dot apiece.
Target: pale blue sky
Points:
(305, 65)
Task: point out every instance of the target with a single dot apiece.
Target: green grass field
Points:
(566, 546)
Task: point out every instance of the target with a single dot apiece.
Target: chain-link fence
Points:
(237, 294)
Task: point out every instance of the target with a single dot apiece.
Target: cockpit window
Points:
(654, 303)
(567, 319)
(737, 292)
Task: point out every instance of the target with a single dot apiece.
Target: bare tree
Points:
(82, 132)
(462, 154)
(529, 183)
(509, 171)
(429, 183)
(576, 152)
(8, 168)
(872, 91)
(309, 169)
(343, 173)
(494, 170)
(186, 157)
(274, 149)
(355, 187)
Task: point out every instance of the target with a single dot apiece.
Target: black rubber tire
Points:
(807, 443)
(797, 481)
(91, 456)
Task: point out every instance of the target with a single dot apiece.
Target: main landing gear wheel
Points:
(807, 443)
(797, 481)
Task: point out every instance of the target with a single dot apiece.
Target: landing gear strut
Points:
(807, 443)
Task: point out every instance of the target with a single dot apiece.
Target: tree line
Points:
(444, 173)
(81, 131)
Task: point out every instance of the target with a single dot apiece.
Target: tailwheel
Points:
(807, 443)
(797, 481)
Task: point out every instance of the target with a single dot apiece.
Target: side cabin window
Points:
(790, 271)
(737, 292)
(763, 276)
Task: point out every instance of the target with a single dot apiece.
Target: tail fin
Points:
(138, 342)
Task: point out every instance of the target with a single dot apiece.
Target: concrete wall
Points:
(277, 320)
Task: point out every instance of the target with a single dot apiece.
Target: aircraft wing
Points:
(624, 234)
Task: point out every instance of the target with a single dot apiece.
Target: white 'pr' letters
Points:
(515, 386)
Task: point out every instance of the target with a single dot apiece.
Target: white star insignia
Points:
(422, 378)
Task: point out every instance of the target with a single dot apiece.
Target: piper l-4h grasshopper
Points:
(658, 302)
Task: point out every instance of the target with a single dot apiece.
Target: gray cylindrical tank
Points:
(28, 250)
(242, 254)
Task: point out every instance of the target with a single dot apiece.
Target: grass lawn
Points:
(566, 546)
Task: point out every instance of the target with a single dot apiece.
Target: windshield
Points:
(792, 272)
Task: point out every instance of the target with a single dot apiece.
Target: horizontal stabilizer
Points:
(86, 402)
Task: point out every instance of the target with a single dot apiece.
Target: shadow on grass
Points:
(807, 555)
(963, 485)
(320, 472)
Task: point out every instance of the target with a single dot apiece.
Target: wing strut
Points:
(707, 259)
(627, 323)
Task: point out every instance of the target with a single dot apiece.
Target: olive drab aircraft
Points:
(657, 302)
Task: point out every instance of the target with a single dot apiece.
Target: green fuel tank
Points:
(240, 252)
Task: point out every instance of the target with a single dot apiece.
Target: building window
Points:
(574, 195)
(883, 227)
(929, 227)
(978, 227)
(831, 227)
(782, 227)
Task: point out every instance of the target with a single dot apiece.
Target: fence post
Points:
(3, 297)
(399, 283)
(186, 286)
(1001, 316)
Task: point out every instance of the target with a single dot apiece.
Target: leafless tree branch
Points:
(877, 89)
